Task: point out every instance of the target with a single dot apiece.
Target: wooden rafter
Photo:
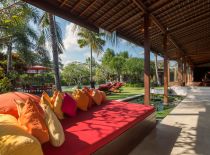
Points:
(63, 3)
(174, 9)
(60, 12)
(190, 22)
(87, 8)
(156, 6)
(141, 6)
(115, 15)
(126, 21)
(76, 5)
(103, 6)
(105, 14)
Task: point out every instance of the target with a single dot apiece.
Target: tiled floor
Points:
(186, 131)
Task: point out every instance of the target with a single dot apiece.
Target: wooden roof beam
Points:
(126, 21)
(204, 62)
(141, 6)
(112, 8)
(103, 6)
(191, 22)
(45, 5)
(63, 3)
(86, 9)
(156, 6)
(76, 5)
(115, 15)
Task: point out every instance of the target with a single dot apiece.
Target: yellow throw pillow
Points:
(54, 126)
(82, 99)
(16, 141)
(46, 96)
(58, 105)
(55, 93)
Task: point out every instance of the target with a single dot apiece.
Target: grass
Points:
(165, 112)
(126, 92)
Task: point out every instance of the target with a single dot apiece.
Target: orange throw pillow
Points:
(87, 91)
(82, 99)
(103, 96)
(32, 121)
(96, 96)
(8, 106)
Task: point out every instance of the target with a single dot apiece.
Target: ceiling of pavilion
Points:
(187, 22)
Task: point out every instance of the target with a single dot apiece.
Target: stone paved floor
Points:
(185, 131)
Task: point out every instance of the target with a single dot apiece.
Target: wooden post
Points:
(191, 74)
(168, 71)
(146, 60)
(180, 69)
(175, 74)
(165, 70)
(184, 73)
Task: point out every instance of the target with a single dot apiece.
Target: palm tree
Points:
(52, 32)
(15, 31)
(94, 41)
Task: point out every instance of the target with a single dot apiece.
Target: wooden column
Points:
(180, 69)
(146, 60)
(165, 70)
(175, 74)
(185, 73)
(168, 71)
(191, 74)
(190, 79)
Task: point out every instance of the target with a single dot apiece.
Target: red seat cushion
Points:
(89, 131)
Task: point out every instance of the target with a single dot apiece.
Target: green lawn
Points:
(165, 112)
(126, 92)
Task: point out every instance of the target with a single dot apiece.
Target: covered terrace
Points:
(175, 29)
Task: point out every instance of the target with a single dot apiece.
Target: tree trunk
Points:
(91, 61)
(55, 52)
(92, 83)
(9, 57)
(156, 71)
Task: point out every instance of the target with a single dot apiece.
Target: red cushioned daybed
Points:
(112, 128)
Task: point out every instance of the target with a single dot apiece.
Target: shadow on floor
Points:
(155, 143)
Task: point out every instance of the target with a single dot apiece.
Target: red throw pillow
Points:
(69, 105)
(8, 106)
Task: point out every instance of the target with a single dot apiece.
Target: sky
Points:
(74, 53)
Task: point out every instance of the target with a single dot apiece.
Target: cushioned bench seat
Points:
(89, 131)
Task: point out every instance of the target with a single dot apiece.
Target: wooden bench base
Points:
(123, 144)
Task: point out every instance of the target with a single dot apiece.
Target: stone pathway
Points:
(185, 131)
